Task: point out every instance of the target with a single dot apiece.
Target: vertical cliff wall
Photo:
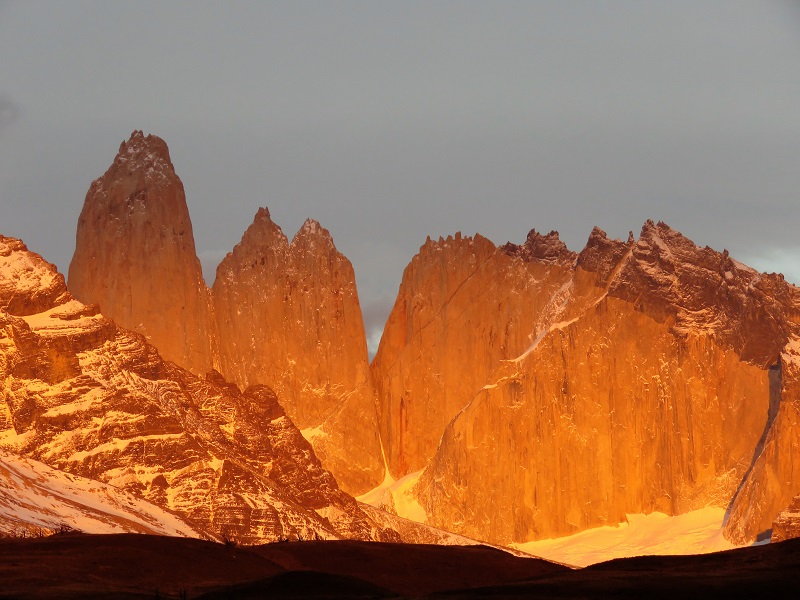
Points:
(288, 316)
(639, 381)
(463, 306)
(135, 255)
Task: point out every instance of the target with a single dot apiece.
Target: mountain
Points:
(463, 306)
(288, 316)
(97, 401)
(37, 500)
(281, 314)
(519, 392)
(635, 377)
(135, 225)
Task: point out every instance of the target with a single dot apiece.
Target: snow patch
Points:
(33, 495)
(313, 433)
(696, 532)
(120, 445)
(62, 319)
(399, 495)
(791, 352)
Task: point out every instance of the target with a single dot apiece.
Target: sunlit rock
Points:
(135, 255)
(288, 316)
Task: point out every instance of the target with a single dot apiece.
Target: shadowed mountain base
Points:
(141, 566)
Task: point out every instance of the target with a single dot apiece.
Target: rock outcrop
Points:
(288, 316)
(288, 313)
(640, 376)
(786, 525)
(37, 500)
(135, 255)
(91, 399)
(463, 306)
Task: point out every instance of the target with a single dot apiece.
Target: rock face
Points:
(463, 306)
(36, 500)
(638, 376)
(288, 313)
(766, 499)
(288, 316)
(135, 255)
(529, 390)
(94, 400)
(787, 524)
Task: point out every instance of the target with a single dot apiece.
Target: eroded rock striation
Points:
(89, 398)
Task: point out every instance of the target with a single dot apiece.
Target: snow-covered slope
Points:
(35, 497)
(695, 532)
(94, 400)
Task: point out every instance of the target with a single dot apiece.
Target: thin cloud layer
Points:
(389, 122)
(9, 112)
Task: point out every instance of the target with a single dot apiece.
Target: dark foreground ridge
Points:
(144, 566)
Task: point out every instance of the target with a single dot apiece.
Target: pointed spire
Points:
(311, 232)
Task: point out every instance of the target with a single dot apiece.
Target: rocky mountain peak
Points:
(313, 235)
(454, 245)
(135, 254)
(288, 317)
(262, 234)
(142, 160)
(546, 248)
(27, 282)
(140, 148)
(601, 255)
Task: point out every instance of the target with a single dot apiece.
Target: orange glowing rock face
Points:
(540, 392)
(635, 378)
(463, 306)
(135, 255)
(288, 316)
(281, 314)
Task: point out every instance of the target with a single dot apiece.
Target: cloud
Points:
(375, 312)
(9, 111)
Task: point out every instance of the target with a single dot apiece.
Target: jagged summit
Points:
(142, 162)
(27, 282)
(140, 148)
(262, 237)
(309, 233)
(135, 254)
(547, 248)
(303, 335)
(311, 226)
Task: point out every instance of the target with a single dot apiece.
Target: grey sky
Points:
(391, 121)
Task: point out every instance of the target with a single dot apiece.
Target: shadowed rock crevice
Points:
(775, 390)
